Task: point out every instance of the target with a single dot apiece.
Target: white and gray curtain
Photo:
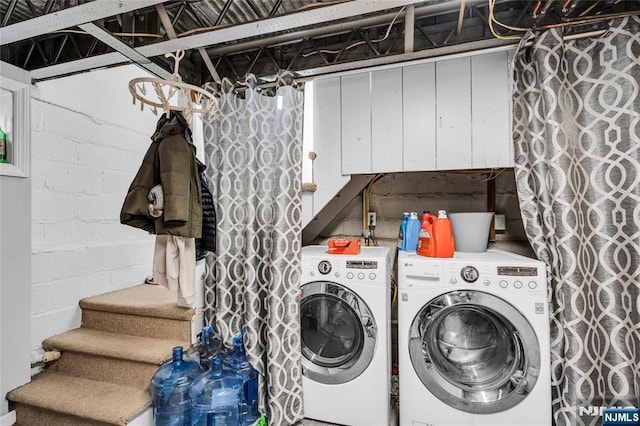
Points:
(253, 147)
(576, 118)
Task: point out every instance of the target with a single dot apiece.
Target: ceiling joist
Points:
(82, 14)
(227, 38)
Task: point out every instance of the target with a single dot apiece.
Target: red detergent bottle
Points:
(442, 236)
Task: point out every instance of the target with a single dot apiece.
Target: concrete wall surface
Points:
(88, 140)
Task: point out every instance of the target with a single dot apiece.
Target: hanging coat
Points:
(208, 240)
(171, 162)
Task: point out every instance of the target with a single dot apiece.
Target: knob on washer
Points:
(469, 274)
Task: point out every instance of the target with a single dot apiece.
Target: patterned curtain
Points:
(253, 147)
(577, 153)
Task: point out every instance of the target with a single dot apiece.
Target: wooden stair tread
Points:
(144, 299)
(122, 346)
(99, 401)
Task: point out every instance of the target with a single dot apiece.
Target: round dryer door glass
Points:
(338, 333)
(474, 351)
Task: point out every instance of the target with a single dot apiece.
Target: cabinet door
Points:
(386, 120)
(419, 111)
(356, 123)
(453, 91)
(491, 110)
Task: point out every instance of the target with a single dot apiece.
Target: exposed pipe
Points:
(365, 199)
(338, 28)
(587, 20)
(409, 25)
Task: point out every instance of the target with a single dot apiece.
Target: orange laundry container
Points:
(436, 236)
(344, 246)
(443, 245)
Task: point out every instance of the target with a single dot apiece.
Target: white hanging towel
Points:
(174, 267)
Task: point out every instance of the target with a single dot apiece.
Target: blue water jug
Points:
(208, 346)
(236, 360)
(170, 390)
(216, 397)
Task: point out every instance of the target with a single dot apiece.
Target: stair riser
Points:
(104, 369)
(135, 325)
(28, 415)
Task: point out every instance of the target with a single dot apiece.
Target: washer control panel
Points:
(496, 276)
(356, 270)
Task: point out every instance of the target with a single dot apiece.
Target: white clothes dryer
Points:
(473, 340)
(345, 336)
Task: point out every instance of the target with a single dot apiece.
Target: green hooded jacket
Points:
(170, 161)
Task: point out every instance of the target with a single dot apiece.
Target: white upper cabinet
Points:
(453, 111)
(445, 114)
(419, 117)
(491, 110)
(356, 123)
(386, 120)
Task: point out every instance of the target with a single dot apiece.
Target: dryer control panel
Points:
(350, 270)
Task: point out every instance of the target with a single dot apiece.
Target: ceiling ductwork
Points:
(230, 38)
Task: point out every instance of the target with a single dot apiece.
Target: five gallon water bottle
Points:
(170, 389)
(236, 360)
(208, 346)
(216, 397)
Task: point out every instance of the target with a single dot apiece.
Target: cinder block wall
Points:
(395, 193)
(88, 140)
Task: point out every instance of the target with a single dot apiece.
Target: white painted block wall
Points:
(88, 140)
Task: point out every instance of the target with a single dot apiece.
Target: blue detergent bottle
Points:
(216, 397)
(403, 230)
(411, 235)
(170, 390)
(236, 360)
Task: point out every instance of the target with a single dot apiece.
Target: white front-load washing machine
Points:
(473, 340)
(345, 333)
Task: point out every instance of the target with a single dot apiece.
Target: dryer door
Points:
(474, 351)
(338, 333)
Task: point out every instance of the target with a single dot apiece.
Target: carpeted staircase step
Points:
(143, 310)
(58, 399)
(110, 357)
(113, 345)
(137, 325)
(143, 300)
(113, 370)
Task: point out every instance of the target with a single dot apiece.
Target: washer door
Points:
(338, 333)
(474, 351)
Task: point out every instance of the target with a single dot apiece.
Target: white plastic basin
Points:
(471, 231)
